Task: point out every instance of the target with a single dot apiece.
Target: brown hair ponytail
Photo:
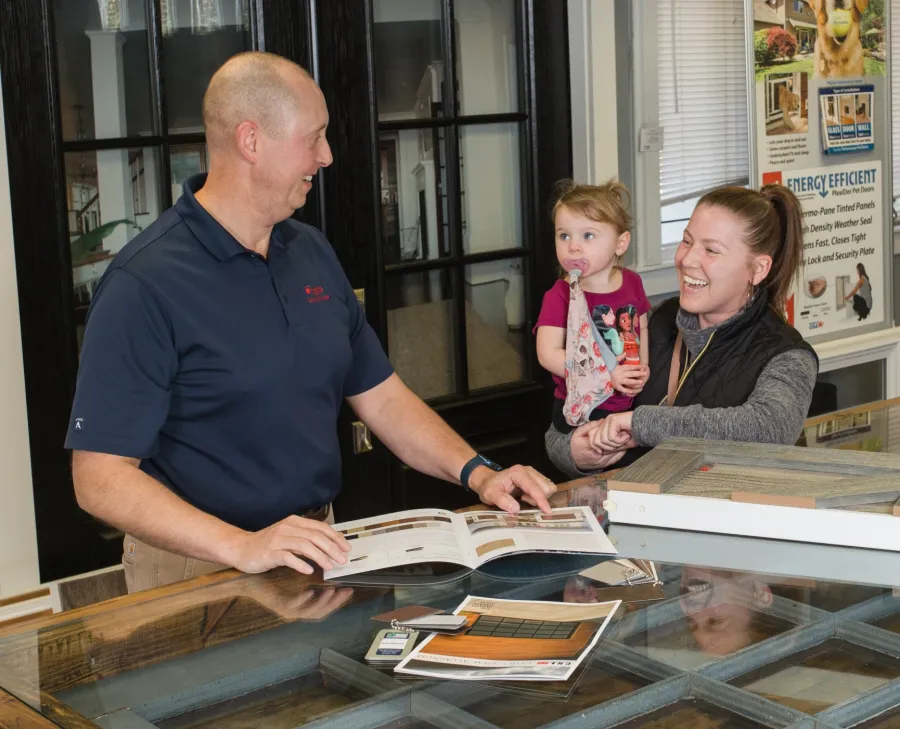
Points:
(773, 226)
(606, 203)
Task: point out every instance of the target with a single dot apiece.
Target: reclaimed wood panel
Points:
(656, 472)
(755, 453)
(768, 475)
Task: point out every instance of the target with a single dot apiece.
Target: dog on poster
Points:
(788, 102)
(838, 51)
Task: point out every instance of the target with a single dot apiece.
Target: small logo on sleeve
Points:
(79, 422)
(315, 294)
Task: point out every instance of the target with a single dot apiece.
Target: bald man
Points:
(219, 347)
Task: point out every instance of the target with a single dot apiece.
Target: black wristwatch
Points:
(478, 460)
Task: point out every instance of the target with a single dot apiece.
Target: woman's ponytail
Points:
(787, 256)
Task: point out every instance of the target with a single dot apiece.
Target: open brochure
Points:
(469, 539)
(631, 580)
(513, 640)
(620, 572)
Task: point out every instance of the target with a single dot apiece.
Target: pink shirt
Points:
(555, 312)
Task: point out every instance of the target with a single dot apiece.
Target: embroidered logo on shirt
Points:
(78, 423)
(315, 294)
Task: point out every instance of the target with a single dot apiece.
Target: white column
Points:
(595, 152)
(113, 173)
(18, 532)
(492, 203)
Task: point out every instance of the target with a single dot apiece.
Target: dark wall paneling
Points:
(286, 28)
(350, 186)
(552, 124)
(502, 426)
(551, 120)
(350, 190)
(43, 269)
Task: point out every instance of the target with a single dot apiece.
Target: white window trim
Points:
(593, 83)
(872, 347)
(653, 258)
(645, 82)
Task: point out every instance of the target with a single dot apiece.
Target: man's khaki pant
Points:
(147, 566)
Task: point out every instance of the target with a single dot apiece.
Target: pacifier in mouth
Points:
(575, 264)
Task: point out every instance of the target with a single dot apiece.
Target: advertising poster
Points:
(846, 117)
(820, 92)
(842, 276)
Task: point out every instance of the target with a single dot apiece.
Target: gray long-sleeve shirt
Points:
(774, 412)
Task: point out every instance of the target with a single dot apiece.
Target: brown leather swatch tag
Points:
(406, 613)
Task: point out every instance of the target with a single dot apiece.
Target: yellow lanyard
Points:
(676, 364)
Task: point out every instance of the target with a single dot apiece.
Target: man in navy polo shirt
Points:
(220, 345)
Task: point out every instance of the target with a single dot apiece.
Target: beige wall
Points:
(18, 541)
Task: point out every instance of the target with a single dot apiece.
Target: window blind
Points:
(895, 94)
(703, 77)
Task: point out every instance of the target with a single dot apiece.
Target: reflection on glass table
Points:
(327, 689)
(874, 427)
(719, 613)
(820, 677)
(692, 713)
(600, 682)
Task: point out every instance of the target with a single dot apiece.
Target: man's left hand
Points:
(501, 488)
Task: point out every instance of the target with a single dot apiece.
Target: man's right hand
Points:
(283, 543)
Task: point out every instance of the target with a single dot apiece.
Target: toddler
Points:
(592, 329)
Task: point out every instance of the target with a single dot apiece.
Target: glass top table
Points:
(749, 633)
(873, 427)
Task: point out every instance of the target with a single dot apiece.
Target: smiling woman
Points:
(724, 363)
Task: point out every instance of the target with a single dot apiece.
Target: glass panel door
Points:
(454, 245)
(123, 134)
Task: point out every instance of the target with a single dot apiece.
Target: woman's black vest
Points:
(728, 371)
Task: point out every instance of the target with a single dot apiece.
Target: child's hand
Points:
(613, 434)
(629, 379)
(644, 372)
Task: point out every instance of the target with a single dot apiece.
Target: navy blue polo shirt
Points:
(222, 371)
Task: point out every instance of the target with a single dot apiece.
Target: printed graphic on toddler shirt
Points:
(617, 328)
